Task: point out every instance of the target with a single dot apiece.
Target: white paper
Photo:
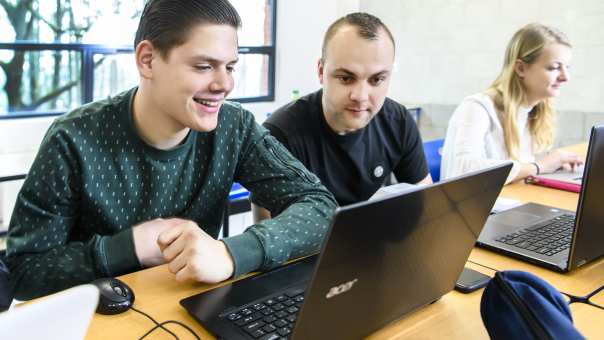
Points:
(502, 204)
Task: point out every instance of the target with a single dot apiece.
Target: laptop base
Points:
(530, 215)
(215, 309)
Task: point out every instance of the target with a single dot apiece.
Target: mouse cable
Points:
(573, 298)
(155, 322)
(585, 299)
(161, 325)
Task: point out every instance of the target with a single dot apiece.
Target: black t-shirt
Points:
(352, 166)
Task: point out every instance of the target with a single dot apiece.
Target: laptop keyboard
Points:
(270, 319)
(549, 239)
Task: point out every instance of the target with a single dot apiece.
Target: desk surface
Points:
(455, 316)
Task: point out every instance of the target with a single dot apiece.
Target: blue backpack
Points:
(520, 305)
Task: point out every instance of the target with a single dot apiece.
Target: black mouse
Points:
(115, 296)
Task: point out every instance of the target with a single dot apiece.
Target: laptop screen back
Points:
(388, 257)
(589, 230)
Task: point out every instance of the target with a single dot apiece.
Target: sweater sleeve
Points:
(300, 205)
(465, 148)
(47, 250)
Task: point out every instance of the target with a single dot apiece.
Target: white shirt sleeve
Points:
(470, 129)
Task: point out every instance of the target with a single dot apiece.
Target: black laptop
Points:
(554, 238)
(381, 260)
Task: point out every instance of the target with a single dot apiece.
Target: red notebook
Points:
(568, 181)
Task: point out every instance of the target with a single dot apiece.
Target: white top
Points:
(475, 138)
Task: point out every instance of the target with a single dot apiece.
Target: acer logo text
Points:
(343, 288)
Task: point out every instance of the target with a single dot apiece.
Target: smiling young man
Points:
(142, 178)
(348, 133)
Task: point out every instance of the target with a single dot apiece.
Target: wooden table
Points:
(454, 316)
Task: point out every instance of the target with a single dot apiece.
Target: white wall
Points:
(19, 140)
(300, 29)
(448, 49)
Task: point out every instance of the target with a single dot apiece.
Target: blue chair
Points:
(237, 192)
(433, 153)
(238, 202)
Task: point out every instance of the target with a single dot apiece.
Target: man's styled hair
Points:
(367, 25)
(167, 23)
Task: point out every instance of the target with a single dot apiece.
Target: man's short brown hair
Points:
(167, 23)
(368, 27)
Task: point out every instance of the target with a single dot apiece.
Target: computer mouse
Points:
(115, 296)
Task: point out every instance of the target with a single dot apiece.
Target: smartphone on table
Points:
(471, 280)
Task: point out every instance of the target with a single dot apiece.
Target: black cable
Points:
(482, 265)
(155, 322)
(161, 325)
(585, 299)
(573, 298)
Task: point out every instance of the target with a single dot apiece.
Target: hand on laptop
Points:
(145, 240)
(193, 254)
(558, 159)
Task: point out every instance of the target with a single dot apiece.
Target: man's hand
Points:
(193, 254)
(145, 240)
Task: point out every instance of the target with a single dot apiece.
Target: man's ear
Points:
(320, 70)
(520, 68)
(144, 54)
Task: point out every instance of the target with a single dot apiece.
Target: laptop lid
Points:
(65, 315)
(588, 237)
(381, 259)
(387, 257)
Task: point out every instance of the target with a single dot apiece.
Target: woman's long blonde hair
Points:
(509, 94)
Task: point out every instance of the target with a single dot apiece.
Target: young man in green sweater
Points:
(142, 178)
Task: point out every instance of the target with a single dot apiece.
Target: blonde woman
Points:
(514, 118)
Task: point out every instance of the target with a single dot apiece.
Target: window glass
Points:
(256, 25)
(114, 74)
(251, 76)
(47, 81)
(44, 51)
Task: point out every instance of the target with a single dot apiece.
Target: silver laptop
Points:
(566, 176)
(65, 316)
(550, 237)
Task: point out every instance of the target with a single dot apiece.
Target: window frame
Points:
(88, 52)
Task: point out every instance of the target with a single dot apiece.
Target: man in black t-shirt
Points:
(348, 133)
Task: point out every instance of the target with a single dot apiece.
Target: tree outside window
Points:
(57, 55)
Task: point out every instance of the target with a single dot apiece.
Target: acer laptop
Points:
(380, 260)
(554, 238)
